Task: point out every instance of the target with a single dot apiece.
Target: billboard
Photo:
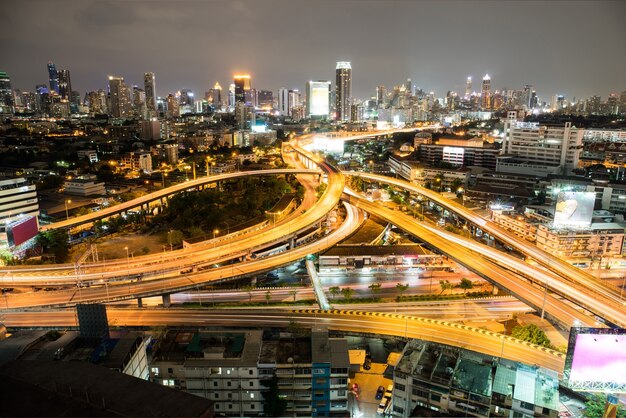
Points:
(574, 208)
(21, 231)
(596, 360)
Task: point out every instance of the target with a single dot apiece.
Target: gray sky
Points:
(576, 48)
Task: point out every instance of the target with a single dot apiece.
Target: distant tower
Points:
(120, 97)
(53, 77)
(6, 94)
(216, 95)
(64, 85)
(242, 87)
(486, 92)
(381, 94)
(149, 88)
(343, 90)
(468, 87)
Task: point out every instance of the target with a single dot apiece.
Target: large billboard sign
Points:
(319, 100)
(596, 360)
(574, 209)
(21, 231)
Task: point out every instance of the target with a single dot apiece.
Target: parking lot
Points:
(369, 381)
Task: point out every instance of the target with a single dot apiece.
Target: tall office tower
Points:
(287, 100)
(173, 109)
(242, 87)
(526, 96)
(139, 102)
(53, 77)
(75, 98)
(343, 90)
(186, 98)
(231, 95)
(381, 93)
(534, 100)
(64, 84)
(43, 97)
(265, 99)
(214, 96)
(120, 106)
(408, 86)
(318, 99)
(468, 87)
(486, 93)
(6, 94)
(97, 102)
(149, 87)
(29, 101)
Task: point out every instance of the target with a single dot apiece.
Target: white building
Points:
(139, 161)
(598, 241)
(529, 147)
(18, 199)
(318, 99)
(84, 187)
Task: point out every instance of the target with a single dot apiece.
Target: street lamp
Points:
(127, 261)
(215, 231)
(67, 213)
(169, 238)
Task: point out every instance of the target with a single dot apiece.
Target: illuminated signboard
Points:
(596, 360)
(574, 208)
(319, 99)
(21, 231)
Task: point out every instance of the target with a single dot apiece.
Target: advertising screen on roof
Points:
(21, 231)
(574, 209)
(596, 360)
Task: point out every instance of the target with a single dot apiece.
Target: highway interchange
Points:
(161, 274)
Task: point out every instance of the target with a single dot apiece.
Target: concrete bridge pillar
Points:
(139, 303)
(166, 301)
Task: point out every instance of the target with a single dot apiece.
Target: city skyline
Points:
(275, 60)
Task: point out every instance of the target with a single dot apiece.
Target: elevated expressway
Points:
(199, 256)
(405, 326)
(599, 298)
(476, 262)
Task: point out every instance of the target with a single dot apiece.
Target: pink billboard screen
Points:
(21, 231)
(597, 360)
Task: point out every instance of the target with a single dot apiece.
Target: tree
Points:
(375, 288)
(56, 243)
(466, 284)
(273, 404)
(531, 333)
(347, 292)
(334, 291)
(595, 405)
(400, 287)
(445, 285)
(268, 296)
(249, 288)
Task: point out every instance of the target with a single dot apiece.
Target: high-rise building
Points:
(214, 96)
(265, 99)
(468, 87)
(287, 101)
(343, 89)
(139, 102)
(408, 86)
(486, 93)
(120, 106)
(381, 93)
(53, 77)
(318, 99)
(541, 149)
(231, 96)
(6, 94)
(64, 84)
(173, 108)
(242, 87)
(97, 102)
(150, 89)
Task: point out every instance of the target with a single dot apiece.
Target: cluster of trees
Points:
(55, 244)
(531, 333)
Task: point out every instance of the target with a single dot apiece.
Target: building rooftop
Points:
(49, 388)
(375, 250)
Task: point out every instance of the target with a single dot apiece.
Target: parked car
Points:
(380, 392)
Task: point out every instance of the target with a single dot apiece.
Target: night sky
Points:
(575, 48)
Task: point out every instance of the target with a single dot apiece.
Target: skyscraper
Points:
(287, 100)
(343, 89)
(381, 95)
(6, 94)
(265, 99)
(214, 96)
(53, 77)
(149, 88)
(242, 87)
(486, 93)
(119, 97)
(468, 87)
(64, 84)
(318, 99)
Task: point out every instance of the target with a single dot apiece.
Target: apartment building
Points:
(448, 380)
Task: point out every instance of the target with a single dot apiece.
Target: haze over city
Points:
(571, 48)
